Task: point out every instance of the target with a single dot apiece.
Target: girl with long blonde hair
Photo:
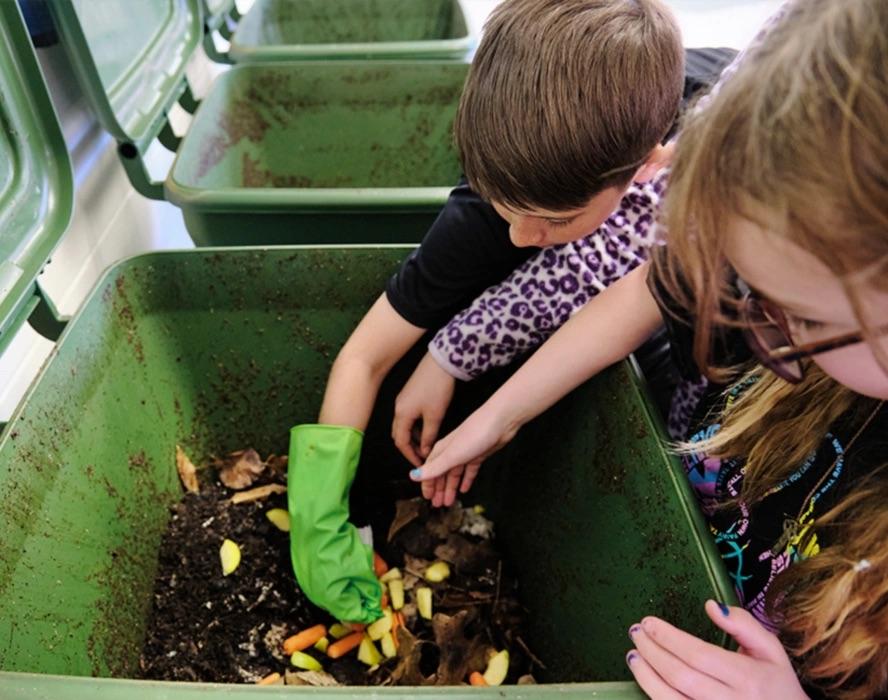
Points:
(773, 286)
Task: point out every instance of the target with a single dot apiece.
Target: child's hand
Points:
(669, 663)
(425, 396)
(456, 459)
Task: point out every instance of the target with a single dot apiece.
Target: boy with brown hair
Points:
(565, 106)
(566, 103)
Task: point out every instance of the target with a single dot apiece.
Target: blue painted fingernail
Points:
(634, 629)
(631, 657)
(724, 608)
(415, 474)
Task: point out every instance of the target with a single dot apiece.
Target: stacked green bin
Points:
(316, 152)
(219, 349)
(283, 30)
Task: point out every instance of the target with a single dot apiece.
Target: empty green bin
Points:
(284, 30)
(221, 349)
(333, 152)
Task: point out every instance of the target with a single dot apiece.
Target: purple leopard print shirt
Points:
(517, 315)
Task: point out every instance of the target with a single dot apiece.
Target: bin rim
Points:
(709, 554)
(459, 46)
(59, 687)
(442, 48)
(268, 199)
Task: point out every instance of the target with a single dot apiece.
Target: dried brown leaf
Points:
(318, 679)
(415, 566)
(258, 493)
(459, 654)
(277, 463)
(240, 469)
(187, 471)
(410, 581)
(467, 556)
(407, 671)
(406, 511)
(445, 521)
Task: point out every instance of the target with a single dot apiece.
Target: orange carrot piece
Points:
(357, 626)
(345, 645)
(477, 678)
(395, 625)
(379, 565)
(270, 679)
(401, 620)
(305, 639)
(385, 601)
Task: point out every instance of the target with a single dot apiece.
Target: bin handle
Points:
(226, 30)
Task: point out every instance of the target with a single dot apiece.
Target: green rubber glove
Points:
(333, 566)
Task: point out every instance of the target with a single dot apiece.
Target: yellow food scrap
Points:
(390, 575)
(497, 668)
(424, 602)
(304, 661)
(381, 627)
(438, 572)
(230, 556)
(389, 650)
(368, 653)
(279, 518)
(396, 593)
(338, 631)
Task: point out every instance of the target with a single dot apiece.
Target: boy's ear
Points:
(658, 159)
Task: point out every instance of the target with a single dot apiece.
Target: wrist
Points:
(439, 357)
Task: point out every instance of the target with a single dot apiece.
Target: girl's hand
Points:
(425, 397)
(668, 663)
(456, 459)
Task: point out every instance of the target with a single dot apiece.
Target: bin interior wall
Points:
(334, 125)
(285, 23)
(218, 351)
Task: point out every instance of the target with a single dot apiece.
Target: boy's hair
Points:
(566, 98)
(797, 141)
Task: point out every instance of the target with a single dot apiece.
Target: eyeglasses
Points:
(769, 336)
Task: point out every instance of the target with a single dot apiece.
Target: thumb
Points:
(430, 426)
(434, 468)
(754, 639)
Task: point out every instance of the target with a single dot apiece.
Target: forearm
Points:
(380, 340)
(351, 393)
(520, 313)
(606, 330)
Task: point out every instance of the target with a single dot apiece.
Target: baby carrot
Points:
(477, 679)
(379, 565)
(396, 623)
(304, 639)
(345, 645)
(270, 679)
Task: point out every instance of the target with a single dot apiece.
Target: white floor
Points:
(111, 221)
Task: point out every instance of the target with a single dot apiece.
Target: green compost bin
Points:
(335, 152)
(283, 30)
(277, 153)
(220, 349)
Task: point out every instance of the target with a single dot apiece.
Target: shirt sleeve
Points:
(465, 251)
(515, 316)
